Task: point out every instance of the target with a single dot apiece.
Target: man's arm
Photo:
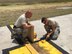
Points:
(25, 23)
(25, 26)
(53, 29)
(28, 23)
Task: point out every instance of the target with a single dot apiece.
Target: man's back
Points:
(20, 20)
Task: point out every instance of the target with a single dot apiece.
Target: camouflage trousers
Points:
(25, 33)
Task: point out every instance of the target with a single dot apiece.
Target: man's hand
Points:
(47, 37)
(26, 26)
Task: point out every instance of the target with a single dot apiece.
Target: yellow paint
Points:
(21, 50)
(48, 47)
(11, 26)
(27, 49)
(33, 51)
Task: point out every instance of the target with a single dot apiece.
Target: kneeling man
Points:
(23, 28)
(52, 28)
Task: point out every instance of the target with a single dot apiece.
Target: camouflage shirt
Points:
(48, 27)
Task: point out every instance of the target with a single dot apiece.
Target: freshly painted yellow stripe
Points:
(21, 50)
(27, 49)
(33, 51)
(48, 47)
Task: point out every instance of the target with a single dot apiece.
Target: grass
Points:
(29, 2)
(9, 14)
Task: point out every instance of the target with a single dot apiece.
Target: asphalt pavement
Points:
(64, 39)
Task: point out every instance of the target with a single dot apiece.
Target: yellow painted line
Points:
(48, 47)
(27, 49)
(21, 50)
(33, 51)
